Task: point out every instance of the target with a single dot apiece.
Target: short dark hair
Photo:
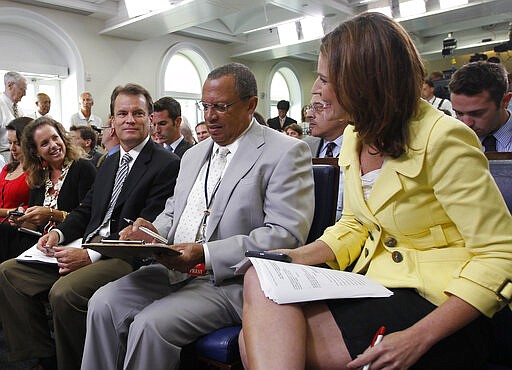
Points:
(86, 133)
(131, 89)
(200, 124)
(474, 78)
(429, 82)
(283, 105)
(172, 106)
(245, 82)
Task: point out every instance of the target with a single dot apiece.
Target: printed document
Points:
(285, 282)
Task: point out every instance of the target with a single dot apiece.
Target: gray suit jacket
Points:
(314, 144)
(265, 201)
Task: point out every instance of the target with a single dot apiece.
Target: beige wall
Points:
(443, 64)
(110, 61)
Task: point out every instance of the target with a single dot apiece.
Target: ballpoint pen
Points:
(158, 237)
(377, 338)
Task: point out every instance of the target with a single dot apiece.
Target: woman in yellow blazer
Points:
(422, 215)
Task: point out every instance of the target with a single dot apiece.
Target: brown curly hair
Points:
(36, 173)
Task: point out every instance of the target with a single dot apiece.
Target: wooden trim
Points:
(498, 155)
(329, 161)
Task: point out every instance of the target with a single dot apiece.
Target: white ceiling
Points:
(227, 21)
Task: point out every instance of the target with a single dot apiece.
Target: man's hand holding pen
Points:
(133, 231)
(191, 253)
(48, 242)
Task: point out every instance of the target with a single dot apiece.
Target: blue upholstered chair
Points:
(501, 358)
(501, 170)
(219, 349)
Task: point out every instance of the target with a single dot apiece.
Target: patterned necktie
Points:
(489, 143)
(121, 174)
(328, 151)
(15, 110)
(188, 229)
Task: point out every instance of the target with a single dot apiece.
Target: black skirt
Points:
(359, 319)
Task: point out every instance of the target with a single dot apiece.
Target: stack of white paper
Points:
(289, 282)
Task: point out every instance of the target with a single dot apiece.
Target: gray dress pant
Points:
(23, 287)
(141, 321)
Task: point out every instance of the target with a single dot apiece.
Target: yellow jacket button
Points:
(397, 256)
(390, 242)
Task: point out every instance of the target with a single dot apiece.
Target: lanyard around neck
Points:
(208, 201)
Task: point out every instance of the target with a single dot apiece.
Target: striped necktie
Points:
(15, 110)
(121, 174)
(328, 151)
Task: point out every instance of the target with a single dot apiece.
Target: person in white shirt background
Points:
(43, 105)
(427, 93)
(85, 116)
(15, 89)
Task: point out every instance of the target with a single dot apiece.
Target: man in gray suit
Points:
(261, 201)
(326, 138)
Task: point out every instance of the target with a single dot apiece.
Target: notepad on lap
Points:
(34, 255)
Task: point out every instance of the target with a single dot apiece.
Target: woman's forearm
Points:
(449, 317)
(313, 253)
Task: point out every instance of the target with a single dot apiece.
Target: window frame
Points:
(291, 77)
(201, 63)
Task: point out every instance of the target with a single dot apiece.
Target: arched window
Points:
(58, 66)
(183, 72)
(284, 85)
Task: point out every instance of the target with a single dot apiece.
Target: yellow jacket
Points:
(435, 220)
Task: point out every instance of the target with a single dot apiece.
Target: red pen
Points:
(377, 338)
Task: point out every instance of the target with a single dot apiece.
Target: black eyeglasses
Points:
(217, 107)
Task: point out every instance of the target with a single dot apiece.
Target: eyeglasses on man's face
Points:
(315, 107)
(217, 107)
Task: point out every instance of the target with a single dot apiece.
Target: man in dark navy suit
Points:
(133, 182)
(166, 120)
(282, 120)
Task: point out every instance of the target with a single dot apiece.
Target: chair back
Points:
(327, 177)
(501, 170)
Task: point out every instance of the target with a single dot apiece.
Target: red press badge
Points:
(197, 270)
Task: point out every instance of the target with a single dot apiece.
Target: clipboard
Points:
(130, 248)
